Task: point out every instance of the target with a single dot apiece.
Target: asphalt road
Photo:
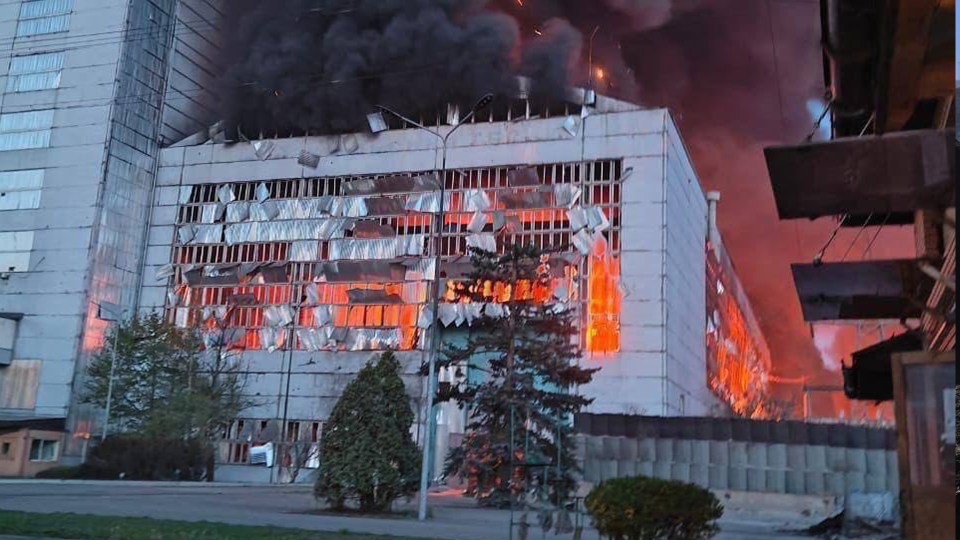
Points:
(291, 506)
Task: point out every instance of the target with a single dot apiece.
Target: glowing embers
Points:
(735, 362)
(500, 292)
(603, 301)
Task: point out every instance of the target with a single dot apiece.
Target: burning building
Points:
(311, 253)
(307, 253)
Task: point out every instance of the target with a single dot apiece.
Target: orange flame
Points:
(603, 314)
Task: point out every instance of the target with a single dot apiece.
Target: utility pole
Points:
(111, 315)
(432, 350)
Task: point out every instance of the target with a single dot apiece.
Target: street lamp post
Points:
(434, 295)
(113, 360)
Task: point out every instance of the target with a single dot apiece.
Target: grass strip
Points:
(69, 526)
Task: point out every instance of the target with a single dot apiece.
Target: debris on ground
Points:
(836, 527)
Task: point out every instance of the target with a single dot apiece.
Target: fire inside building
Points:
(309, 254)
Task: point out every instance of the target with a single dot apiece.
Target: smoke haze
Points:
(322, 65)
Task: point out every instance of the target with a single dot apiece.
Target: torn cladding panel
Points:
(273, 338)
(263, 149)
(477, 222)
(483, 242)
(477, 200)
(211, 213)
(207, 234)
(263, 192)
(278, 315)
(566, 195)
(427, 203)
(308, 159)
(263, 211)
(371, 271)
(344, 260)
(238, 211)
(305, 250)
(392, 184)
(225, 194)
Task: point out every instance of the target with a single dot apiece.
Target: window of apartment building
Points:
(5, 449)
(34, 72)
(15, 250)
(23, 130)
(44, 17)
(44, 450)
(20, 190)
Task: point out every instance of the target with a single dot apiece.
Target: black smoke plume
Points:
(320, 66)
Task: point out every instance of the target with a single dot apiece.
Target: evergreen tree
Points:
(520, 417)
(367, 453)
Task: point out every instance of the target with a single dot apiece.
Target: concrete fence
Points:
(740, 454)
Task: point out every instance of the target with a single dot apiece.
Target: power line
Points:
(315, 80)
(776, 67)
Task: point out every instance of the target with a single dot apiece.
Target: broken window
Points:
(354, 267)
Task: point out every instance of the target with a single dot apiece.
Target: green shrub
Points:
(62, 472)
(367, 455)
(146, 458)
(642, 508)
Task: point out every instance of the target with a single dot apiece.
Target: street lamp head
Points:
(482, 103)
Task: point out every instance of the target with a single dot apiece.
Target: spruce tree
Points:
(520, 416)
(367, 454)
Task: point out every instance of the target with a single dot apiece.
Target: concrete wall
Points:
(51, 295)
(741, 455)
(686, 392)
